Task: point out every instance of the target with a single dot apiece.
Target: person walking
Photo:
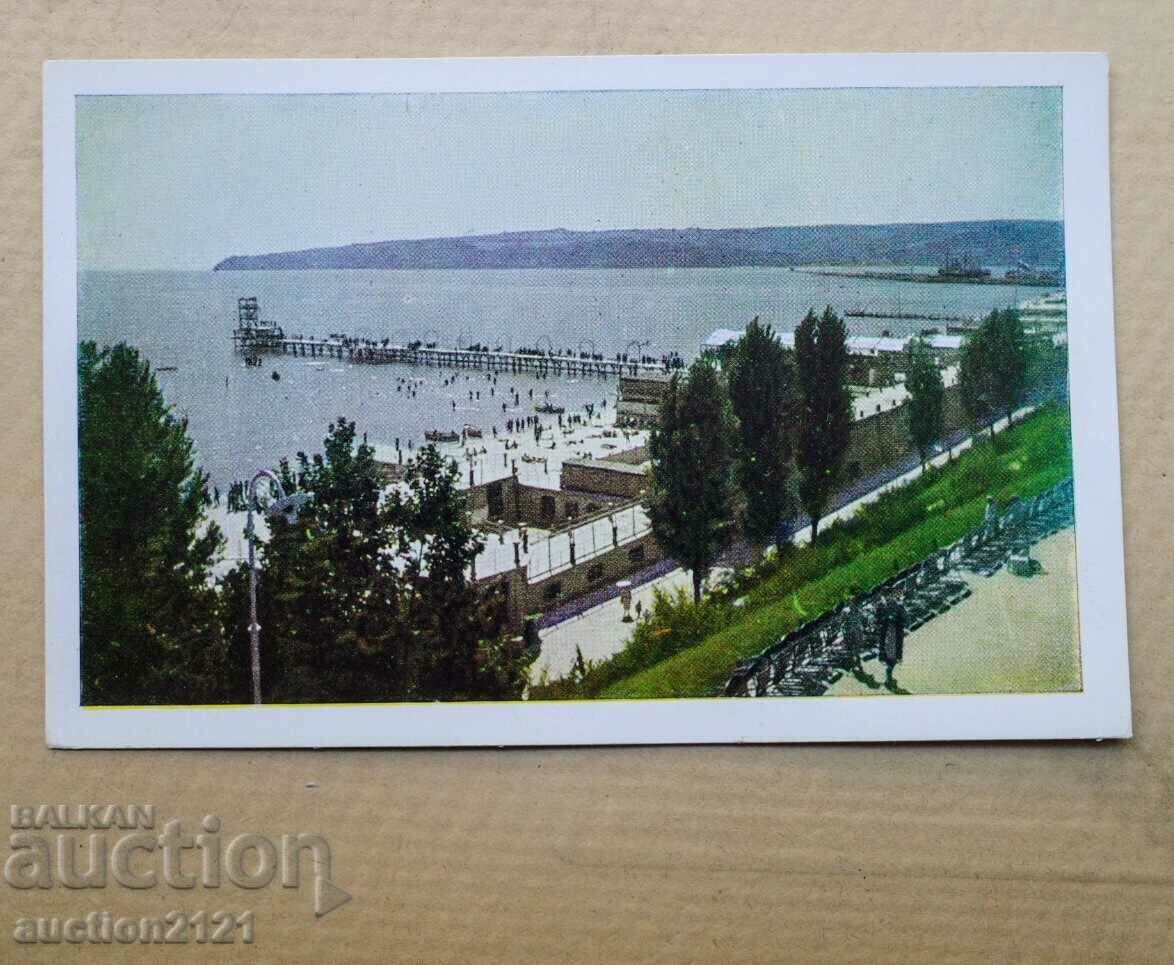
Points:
(893, 645)
(852, 628)
(880, 624)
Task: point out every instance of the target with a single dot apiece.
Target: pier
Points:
(907, 316)
(1020, 281)
(254, 337)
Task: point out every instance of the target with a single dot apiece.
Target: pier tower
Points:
(252, 335)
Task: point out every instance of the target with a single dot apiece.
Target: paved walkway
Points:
(600, 631)
(1013, 634)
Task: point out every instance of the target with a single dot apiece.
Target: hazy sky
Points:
(183, 181)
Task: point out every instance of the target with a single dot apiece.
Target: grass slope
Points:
(687, 650)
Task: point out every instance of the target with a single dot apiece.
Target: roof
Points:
(607, 465)
(945, 341)
(861, 344)
(876, 344)
(866, 344)
(723, 336)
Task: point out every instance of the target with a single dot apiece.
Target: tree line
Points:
(747, 439)
(366, 595)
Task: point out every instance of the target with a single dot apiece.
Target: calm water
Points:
(242, 419)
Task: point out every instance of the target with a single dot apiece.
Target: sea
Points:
(243, 418)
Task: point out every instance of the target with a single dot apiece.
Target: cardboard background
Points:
(927, 853)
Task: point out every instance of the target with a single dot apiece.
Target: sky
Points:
(180, 182)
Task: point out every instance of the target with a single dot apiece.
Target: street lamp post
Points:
(640, 344)
(287, 506)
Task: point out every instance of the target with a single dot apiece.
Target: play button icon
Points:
(328, 896)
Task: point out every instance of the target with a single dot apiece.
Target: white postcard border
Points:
(1102, 709)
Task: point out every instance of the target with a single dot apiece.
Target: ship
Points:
(1025, 274)
(962, 268)
(549, 408)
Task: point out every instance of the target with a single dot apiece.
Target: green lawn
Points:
(687, 650)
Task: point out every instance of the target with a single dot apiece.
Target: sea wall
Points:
(552, 590)
(881, 439)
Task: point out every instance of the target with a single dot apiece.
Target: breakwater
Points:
(1025, 281)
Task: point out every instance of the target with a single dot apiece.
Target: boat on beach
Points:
(438, 435)
(549, 408)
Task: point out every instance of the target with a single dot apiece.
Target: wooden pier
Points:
(256, 342)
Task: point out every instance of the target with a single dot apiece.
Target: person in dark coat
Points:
(880, 622)
(852, 627)
(893, 641)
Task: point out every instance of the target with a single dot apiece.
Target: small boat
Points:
(549, 408)
(473, 432)
(436, 435)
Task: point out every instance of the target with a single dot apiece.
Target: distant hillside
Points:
(985, 242)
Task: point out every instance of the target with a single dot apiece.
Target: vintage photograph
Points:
(547, 396)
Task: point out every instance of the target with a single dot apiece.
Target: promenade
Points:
(599, 631)
(1010, 635)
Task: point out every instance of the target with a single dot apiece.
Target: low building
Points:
(640, 396)
(880, 360)
(721, 339)
(603, 476)
(873, 360)
(508, 503)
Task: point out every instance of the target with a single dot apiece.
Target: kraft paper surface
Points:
(993, 852)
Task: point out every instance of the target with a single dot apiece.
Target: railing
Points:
(811, 658)
(553, 555)
(364, 351)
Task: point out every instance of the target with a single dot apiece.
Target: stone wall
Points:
(607, 478)
(638, 404)
(509, 502)
(575, 581)
(554, 509)
(637, 455)
(881, 439)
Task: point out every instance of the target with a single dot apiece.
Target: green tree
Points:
(148, 626)
(993, 377)
(973, 383)
(691, 497)
(454, 637)
(327, 591)
(1047, 366)
(367, 595)
(825, 409)
(761, 394)
(927, 396)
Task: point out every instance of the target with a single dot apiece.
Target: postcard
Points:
(580, 401)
